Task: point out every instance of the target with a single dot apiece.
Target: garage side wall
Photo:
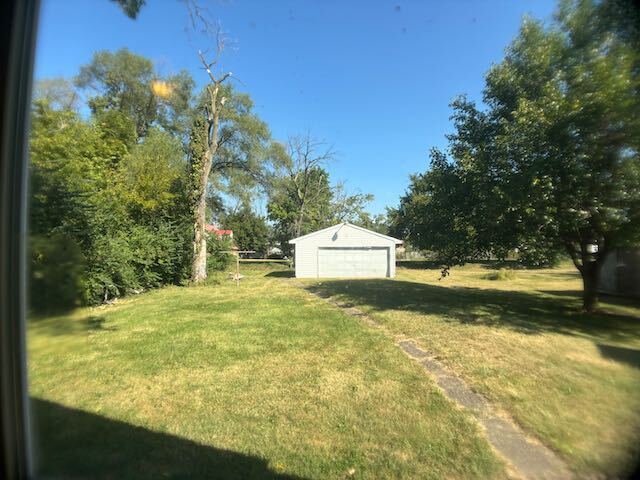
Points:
(306, 260)
(392, 266)
(306, 250)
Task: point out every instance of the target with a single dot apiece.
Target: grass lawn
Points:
(260, 381)
(571, 379)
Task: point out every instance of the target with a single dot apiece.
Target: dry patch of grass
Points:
(571, 379)
(260, 381)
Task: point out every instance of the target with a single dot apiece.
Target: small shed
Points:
(345, 250)
(620, 274)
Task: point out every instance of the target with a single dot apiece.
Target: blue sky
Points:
(373, 78)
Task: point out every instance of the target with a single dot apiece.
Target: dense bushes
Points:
(502, 275)
(108, 216)
(137, 258)
(57, 272)
(250, 231)
(218, 249)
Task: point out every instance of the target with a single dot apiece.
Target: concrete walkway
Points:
(526, 457)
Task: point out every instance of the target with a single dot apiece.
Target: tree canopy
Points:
(128, 83)
(551, 164)
(250, 230)
(302, 198)
(112, 194)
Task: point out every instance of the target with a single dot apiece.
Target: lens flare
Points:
(161, 88)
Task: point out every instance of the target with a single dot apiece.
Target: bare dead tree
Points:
(213, 106)
(306, 154)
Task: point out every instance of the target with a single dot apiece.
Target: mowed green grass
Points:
(570, 378)
(260, 381)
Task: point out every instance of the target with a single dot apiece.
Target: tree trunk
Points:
(590, 277)
(199, 265)
(300, 219)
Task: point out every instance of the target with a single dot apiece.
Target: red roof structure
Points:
(218, 232)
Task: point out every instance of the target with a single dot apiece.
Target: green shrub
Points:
(158, 254)
(137, 258)
(217, 257)
(111, 270)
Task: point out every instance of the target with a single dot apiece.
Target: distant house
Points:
(274, 252)
(620, 273)
(345, 250)
(212, 229)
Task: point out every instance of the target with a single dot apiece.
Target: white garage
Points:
(345, 251)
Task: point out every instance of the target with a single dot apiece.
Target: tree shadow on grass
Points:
(419, 264)
(604, 299)
(66, 325)
(437, 265)
(524, 312)
(630, 356)
(281, 274)
(76, 444)
(97, 323)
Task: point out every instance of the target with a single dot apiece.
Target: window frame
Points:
(18, 27)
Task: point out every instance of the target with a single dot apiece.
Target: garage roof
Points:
(303, 237)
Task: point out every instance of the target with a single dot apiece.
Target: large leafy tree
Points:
(302, 198)
(71, 170)
(226, 138)
(107, 206)
(230, 144)
(131, 8)
(297, 211)
(58, 93)
(552, 163)
(378, 222)
(128, 83)
(250, 230)
(152, 175)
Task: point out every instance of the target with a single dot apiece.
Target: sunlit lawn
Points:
(260, 381)
(571, 379)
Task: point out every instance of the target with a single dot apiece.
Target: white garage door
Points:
(353, 262)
